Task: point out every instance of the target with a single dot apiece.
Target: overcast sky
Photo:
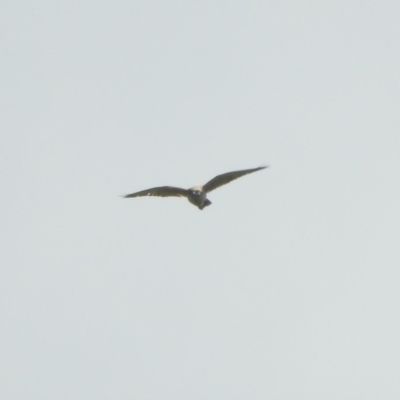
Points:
(286, 287)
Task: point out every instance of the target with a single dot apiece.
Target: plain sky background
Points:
(287, 287)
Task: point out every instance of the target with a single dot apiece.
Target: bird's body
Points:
(196, 195)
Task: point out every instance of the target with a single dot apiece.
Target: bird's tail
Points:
(205, 204)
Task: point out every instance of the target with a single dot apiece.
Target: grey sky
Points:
(286, 287)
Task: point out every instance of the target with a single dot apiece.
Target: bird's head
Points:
(195, 191)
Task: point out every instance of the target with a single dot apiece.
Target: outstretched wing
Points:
(223, 179)
(162, 191)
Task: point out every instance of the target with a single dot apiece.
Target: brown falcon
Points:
(197, 195)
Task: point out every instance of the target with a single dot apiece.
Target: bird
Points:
(197, 195)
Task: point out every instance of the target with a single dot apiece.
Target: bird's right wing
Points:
(223, 179)
(162, 191)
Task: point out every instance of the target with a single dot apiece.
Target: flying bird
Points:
(196, 195)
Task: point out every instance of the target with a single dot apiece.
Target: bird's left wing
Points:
(162, 191)
(223, 179)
